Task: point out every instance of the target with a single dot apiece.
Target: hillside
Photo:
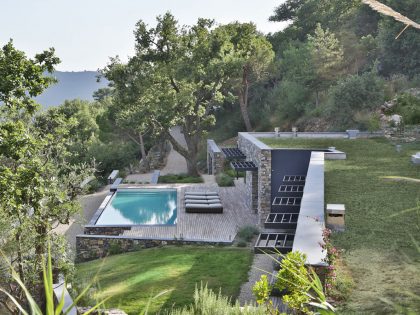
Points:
(71, 85)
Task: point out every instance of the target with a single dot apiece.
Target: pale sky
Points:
(85, 33)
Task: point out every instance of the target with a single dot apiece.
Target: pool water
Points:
(141, 207)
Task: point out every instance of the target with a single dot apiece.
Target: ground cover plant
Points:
(224, 180)
(131, 279)
(179, 178)
(382, 220)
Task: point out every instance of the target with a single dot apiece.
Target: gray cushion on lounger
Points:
(203, 206)
(201, 197)
(203, 201)
(197, 196)
(205, 193)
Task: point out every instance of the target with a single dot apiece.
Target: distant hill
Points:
(71, 85)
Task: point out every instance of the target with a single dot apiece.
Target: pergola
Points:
(233, 154)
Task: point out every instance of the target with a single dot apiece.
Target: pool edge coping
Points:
(111, 195)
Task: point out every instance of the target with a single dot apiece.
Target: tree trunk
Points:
(39, 292)
(143, 152)
(189, 154)
(243, 99)
(192, 166)
(316, 98)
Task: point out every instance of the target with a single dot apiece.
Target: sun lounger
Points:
(203, 208)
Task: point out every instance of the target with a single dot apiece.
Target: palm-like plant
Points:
(51, 307)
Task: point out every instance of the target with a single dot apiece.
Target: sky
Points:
(85, 33)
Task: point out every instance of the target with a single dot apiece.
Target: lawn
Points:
(382, 220)
(131, 279)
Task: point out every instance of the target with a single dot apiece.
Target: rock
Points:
(396, 119)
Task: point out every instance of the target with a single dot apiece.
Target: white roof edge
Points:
(249, 136)
(310, 226)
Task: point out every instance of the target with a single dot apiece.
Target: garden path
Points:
(176, 163)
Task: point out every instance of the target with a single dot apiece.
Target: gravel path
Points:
(176, 163)
(261, 262)
(89, 203)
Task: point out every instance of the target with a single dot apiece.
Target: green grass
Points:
(131, 279)
(382, 220)
(179, 178)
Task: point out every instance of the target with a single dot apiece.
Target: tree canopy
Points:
(39, 186)
(180, 75)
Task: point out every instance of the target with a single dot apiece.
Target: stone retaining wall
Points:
(215, 158)
(89, 247)
(259, 153)
(105, 230)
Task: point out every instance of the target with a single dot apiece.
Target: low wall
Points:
(89, 247)
(320, 135)
(105, 230)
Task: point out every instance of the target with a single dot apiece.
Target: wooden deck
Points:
(204, 226)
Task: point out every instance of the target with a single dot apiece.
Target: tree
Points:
(326, 57)
(39, 187)
(21, 79)
(250, 58)
(177, 77)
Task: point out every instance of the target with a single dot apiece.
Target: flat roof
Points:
(251, 136)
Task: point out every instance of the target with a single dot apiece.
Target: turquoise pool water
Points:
(141, 207)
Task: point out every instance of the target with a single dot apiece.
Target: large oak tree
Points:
(177, 77)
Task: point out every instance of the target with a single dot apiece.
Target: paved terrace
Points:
(204, 226)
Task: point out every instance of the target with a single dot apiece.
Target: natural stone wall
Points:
(215, 158)
(260, 154)
(89, 247)
(251, 185)
(105, 230)
(264, 186)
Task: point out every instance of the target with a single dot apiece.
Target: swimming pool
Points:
(141, 207)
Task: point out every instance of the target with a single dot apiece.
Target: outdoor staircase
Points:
(285, 207)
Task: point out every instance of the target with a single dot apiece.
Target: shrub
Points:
(294, 278)
(246, 233)
(353, 94)
(179, 178)
(232, 173)
(113, 156)
(408, 106)
(241, 243)
(114, 248)
(94, 186)
(208, 302)
(224, 180)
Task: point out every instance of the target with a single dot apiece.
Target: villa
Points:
(282, 193)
